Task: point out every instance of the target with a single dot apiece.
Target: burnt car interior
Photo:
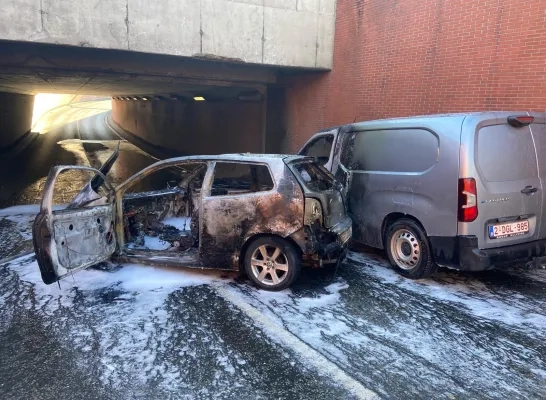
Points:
(240, 178)
(161, 211)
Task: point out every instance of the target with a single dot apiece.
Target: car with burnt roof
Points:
(266, 215)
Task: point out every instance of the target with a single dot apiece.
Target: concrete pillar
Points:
(275, 135)
(194, 127)
(15, 118)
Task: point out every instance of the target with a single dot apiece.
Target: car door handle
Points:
(529, 190)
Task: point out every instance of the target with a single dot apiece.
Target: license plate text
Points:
(509, 229)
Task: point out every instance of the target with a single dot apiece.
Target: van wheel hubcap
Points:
(269, 265)
(405, 249)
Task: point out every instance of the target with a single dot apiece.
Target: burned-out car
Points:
(266, 215)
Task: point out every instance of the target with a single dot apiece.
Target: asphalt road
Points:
(124, 332)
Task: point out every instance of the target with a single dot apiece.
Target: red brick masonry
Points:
(411, 57)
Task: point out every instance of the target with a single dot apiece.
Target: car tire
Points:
(272, 263)
(408, 250)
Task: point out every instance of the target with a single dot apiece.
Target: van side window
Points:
(396, 150)
(240, 178)
(506, 153)
(320, 148)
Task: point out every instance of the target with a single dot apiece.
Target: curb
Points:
(158, 152)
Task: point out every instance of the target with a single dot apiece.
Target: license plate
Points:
(345, 236)
(510, 229)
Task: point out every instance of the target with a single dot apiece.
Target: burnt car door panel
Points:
(229, 209)
(245, 201)
(72, 239)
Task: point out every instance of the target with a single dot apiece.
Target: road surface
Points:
(131, 331)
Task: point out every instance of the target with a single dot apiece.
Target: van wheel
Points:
(272, 263)
(408, 250)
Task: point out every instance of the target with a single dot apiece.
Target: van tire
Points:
(288, 257)
(408, 250)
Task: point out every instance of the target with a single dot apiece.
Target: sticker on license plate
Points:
(509, 229)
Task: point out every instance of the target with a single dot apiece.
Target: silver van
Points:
(464, 191)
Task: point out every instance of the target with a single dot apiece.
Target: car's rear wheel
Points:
(272, 263)
(408, 250)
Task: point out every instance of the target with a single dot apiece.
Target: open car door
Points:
(80, 235)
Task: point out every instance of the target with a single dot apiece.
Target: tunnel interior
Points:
(184, 105)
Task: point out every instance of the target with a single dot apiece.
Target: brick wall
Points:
(411, 57)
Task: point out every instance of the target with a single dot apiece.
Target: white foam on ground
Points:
(408, 343)
(138, 315)
(279, 334)
(31, 209)
(313, 320)
(146, 280)
(133, 318)
(151, 243)
(23, 224)
(477, 299)
(23, 217)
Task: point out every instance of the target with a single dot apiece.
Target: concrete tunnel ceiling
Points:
(232, 119)
(30, 68)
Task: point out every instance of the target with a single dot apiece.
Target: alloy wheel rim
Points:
(269, 265)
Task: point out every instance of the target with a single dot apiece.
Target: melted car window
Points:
(319, 148)
(165, 178)
(70, 183)
(315, 177)
(239, 178)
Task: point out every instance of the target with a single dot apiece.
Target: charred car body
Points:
(264, 214)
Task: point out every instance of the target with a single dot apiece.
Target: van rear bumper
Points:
(462, 253)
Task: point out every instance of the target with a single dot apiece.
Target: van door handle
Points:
(529, 190)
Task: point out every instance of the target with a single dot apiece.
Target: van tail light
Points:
(468, 200)
(517, 121)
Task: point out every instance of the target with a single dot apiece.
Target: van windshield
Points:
(315, 177)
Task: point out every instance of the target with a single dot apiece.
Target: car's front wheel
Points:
(408, 250)
(272, 263)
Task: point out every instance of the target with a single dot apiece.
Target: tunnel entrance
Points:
(161, 105)
(187, 105)
(53, 110)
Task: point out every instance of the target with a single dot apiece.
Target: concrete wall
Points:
(15, 117)
(195, 127)
(411, 57)
(275, 129)
(277, 32)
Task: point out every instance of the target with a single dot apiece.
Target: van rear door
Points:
(538, 130)
(500, 155)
